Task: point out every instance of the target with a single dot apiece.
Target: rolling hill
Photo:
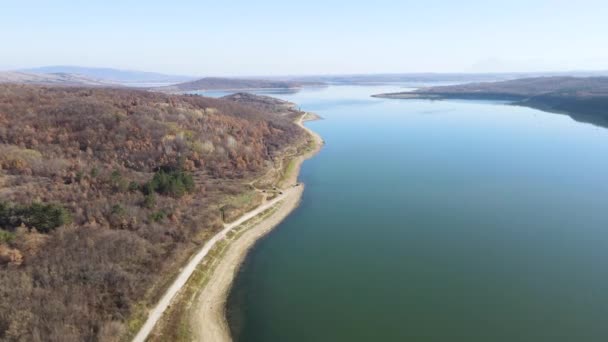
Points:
(50, 79)
(218, 83)
(112, 75)
(104, 193)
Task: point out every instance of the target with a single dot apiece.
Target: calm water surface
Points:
(435, 221)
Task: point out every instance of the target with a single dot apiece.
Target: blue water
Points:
(435, 221)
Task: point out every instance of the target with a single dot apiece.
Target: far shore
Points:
(208, 321)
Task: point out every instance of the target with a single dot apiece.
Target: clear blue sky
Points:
(306, 37)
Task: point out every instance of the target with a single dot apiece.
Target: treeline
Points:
(105, 191)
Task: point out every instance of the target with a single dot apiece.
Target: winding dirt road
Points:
(208, 321)
(157, 312)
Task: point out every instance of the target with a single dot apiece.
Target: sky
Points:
(267, 37)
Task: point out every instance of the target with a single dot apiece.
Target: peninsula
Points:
(585, 99)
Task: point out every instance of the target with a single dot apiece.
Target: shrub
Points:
(6, 237)
(119, 184)
(149, 201)
(46, 217)
(118, 210)
(133, 186)
(5, 215)
(94, 172)
(43, 217)
(158, 216)
(171, 183)
(79, 176)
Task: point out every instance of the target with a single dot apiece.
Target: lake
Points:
(435, 221)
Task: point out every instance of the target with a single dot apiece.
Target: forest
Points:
(105, 192)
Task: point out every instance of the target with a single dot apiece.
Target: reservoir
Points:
(435, 221)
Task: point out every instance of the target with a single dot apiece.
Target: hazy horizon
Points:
(316, 38)
(530, 72)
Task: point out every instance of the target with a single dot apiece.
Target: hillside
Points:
(583, 98)
(104, 193)
(216, 83)
(111, 75)
(265, 103)
(62, 79)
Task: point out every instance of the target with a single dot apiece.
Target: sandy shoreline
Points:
(208, 321)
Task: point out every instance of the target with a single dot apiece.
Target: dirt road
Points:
(157, 312)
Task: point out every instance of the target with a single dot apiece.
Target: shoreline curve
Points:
(208, 321)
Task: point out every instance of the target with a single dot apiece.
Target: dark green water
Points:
(436, 221)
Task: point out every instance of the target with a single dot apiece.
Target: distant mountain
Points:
(112, 75)
(583, 98)
(49, 79)
(217, 83)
